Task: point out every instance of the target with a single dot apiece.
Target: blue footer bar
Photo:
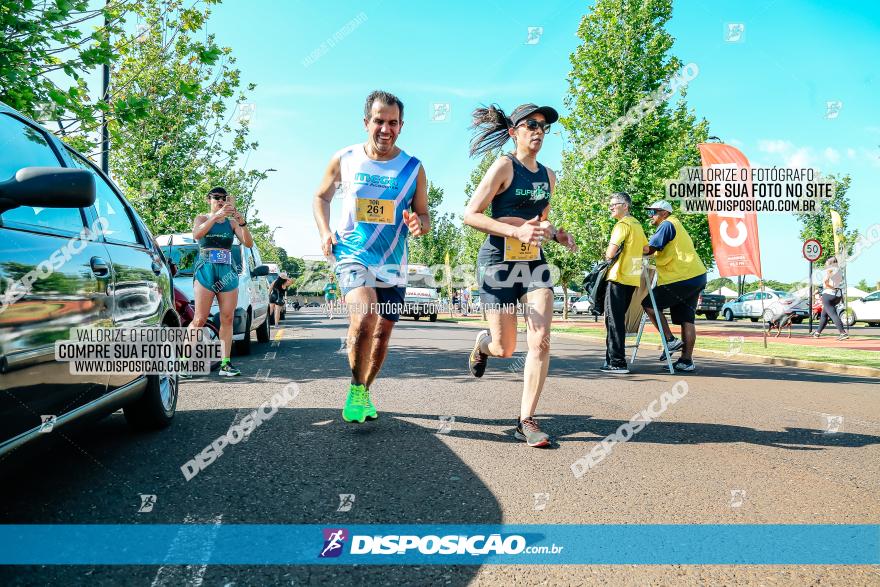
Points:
(246, 544)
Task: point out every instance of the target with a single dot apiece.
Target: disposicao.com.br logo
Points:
(476, 545)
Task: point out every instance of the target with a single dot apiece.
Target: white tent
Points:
(724, 291)
(851, 291)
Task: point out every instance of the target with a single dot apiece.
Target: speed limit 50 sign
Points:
(812, 250)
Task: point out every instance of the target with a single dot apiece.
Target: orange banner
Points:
(734, 234)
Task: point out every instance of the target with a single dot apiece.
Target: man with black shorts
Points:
(681, 278)
(384, 199)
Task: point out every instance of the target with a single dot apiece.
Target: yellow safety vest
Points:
(678, 260)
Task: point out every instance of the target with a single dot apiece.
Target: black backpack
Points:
(595, 285)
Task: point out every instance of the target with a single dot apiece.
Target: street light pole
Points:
(105, 97)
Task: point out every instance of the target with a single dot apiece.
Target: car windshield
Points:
(184, 256)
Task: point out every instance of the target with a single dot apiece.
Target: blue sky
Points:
(766, 94)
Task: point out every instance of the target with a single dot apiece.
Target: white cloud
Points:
(832, 155)
(851, 153)
(800, 158)
(774, 146)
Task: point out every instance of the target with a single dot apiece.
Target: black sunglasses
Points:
(533, 124)
(220, 197)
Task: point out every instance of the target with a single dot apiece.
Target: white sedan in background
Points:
(866, 309)
(582, 305)
(765, 304)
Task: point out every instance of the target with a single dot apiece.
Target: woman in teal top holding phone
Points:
(215, 272)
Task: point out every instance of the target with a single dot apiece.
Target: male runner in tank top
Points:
(379, 184)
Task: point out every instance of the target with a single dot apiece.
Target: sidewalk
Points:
(828, 339)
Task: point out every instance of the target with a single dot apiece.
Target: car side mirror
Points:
(173, 267)
(260, 271)
(48, 187)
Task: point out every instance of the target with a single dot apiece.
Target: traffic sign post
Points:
(811, 250)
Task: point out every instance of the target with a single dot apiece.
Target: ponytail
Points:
(491, 126)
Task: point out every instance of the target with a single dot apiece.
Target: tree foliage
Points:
(186, 137)
(431, 249)
(46, 52)
(624, 58)
(818, 226)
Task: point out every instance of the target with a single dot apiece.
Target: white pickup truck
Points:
(421, 301)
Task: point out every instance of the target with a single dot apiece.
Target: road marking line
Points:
(269, 356)
(194, 575)
(263, 374)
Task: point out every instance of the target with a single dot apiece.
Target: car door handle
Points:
(99, 267)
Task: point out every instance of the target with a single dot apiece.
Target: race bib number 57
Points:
(514, 250)
(375, 211)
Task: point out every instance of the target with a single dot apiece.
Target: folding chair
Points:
(635, 314)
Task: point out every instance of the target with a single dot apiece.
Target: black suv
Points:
(52, 279)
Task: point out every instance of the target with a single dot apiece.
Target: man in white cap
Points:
(681, 278)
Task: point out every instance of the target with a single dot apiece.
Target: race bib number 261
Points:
(375, 211)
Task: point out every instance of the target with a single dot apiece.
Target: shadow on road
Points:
(572, 428)
(291, 470)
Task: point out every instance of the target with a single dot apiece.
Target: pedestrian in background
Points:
(624, 275)
(831, 296)
(681, 278)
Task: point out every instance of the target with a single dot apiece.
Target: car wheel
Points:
(433, 317)
(798, 320)
(243, 347)
(728, 315)
(154, 409)
(753, 319)
(873, 324)
(711, 315)
(263, 331)
(848, 317)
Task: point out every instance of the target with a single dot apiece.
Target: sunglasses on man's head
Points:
(533, 124)
(220, 197)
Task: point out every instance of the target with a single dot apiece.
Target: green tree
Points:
(720, 282)
(864, 286)
(472, 239)
(818, 226)
(46, 54)
(624, 59)
(431, 249)
(185, 140)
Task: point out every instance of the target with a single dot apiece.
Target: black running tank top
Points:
(526, 196)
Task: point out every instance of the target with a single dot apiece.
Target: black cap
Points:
(523, 111)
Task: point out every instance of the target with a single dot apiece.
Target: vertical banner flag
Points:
(837, 227)
(734, 234)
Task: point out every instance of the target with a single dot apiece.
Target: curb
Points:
(837, 368)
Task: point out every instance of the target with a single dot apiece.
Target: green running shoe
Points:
(372, 414)
(228, 370)
(357, 405)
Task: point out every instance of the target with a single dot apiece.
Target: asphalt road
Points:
(747, 444)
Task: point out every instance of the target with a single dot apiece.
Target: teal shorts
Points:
(218, 277)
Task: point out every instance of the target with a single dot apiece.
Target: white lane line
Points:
(269, 356)
(188, 574)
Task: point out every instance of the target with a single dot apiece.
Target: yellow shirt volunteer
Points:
(629, 235)
(678, 260)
